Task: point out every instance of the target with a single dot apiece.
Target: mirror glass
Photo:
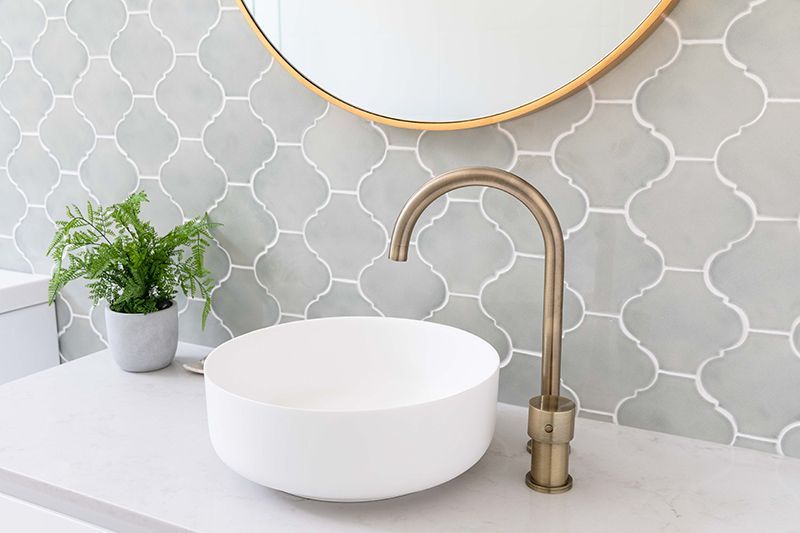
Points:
(447, 61)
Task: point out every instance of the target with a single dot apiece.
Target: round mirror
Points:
(450, 64)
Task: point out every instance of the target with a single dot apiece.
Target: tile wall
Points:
(676, 178)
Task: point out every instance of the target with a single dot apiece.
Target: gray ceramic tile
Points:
(97, 317)
(682, 322)
(10, 256)
(757, 383)
(233, 33)
(76, 294)
(515, 301)
(488, 146)
(12, 204)
(68, 192)
(754, 444)
(216, 261)
(774, 60)
(465, 247)
(345, 236)
(184, 22)
(409, 289)
(190, 324)
(602, 365)
(239, 141)
(97, 22)
(63, 314)
(66, 134)
(33, 170)
(54, 8)
(442, 151)
(108, 174)
(246, 226)
(60, 57)
(284, 104)
(21, 22)
(6, 60)
(137, 5)
(608, 264)
(697, 116)
(181, 301)
(520, 380)
(344, 147)
(26, 95)
(673, 405)
(465, 313)
(160, 210)
(625, 78)
(292, 273)
(706, 19)
(343, 299)
(79, 339)
(147, 136)
(790, 444)
(244, 304)
(681, 214)
(598, 417)
(290, 188)
(611, 155)
(141, 54)
(401, 136)
(9, 136)
(189, 96)
(796, 336)
(102, 96)
(764, 160)
(387, 188)
(755, 273)
(515, 219)
(192, 179)
(32, 236)
(537, 131)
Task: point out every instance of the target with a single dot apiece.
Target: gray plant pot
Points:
(143, 342)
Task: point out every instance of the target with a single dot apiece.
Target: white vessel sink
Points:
(352, 409)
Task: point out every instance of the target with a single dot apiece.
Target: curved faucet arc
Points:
(551, 418)
(553, 248)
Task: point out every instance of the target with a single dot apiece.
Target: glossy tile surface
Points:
(675, 178)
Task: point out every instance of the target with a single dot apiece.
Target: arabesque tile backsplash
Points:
(676, 178)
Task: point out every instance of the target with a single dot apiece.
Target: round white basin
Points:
(352, 408)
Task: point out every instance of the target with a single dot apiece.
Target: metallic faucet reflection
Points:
(551, 418)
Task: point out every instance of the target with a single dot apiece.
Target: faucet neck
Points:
(553, 248)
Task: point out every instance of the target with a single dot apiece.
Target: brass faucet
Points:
(551, 418)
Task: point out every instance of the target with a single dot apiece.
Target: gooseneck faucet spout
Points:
(551, 417)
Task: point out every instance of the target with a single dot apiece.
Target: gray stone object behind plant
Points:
(138, 272)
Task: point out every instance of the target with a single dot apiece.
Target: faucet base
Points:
(551, 425)
(547, 490)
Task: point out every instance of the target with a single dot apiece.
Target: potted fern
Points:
(136, 271)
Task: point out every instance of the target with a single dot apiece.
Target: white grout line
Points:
(516, 153)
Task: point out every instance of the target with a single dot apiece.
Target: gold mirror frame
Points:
(601, 67)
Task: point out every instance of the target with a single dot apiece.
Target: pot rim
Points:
(172, 305)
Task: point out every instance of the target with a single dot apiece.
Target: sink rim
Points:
(493, 366)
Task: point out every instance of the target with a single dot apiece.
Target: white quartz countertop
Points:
(131, 452)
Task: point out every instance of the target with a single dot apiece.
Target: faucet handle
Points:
(551, 419)
(551, 426)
